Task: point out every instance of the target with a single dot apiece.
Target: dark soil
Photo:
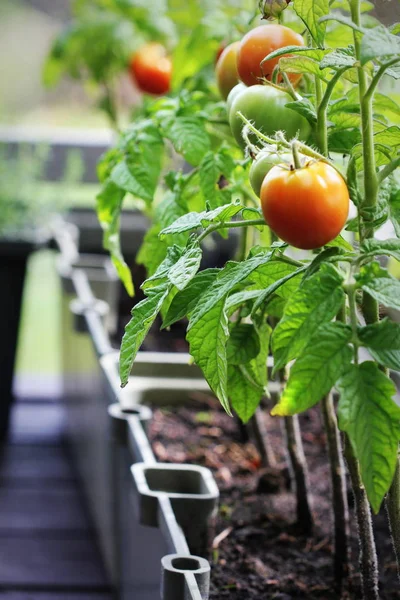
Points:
(259, 550)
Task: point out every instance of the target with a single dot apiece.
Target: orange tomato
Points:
(257, 44)
(151, 69)
(226, 70)
(306, 207)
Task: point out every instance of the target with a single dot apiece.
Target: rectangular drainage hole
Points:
(175, 481)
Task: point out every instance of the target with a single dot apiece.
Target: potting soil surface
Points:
(259, 551)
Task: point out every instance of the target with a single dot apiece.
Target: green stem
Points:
(229, 225)
(378, 76)
(290, 89)
(368, 559)
(388, 169)
(303, 148)
(351, 292)
(296, 155)
(322, 117)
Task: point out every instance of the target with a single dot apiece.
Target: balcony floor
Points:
(48, 549)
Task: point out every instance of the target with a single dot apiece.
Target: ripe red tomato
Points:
(305, 207)
(151, 69)
(260, 42)
(226, 70)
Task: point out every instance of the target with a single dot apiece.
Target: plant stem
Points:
(339, 493)
(322, 118)
(296, 155)
(338, 474)
(297, 466)
(297, 462)
(392, 508)
(230, 225)
(388, 169)
(260, 434)
(368, 558)
(370, 306)
(303, 148)
(378, 76)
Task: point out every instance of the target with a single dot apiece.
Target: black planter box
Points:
(14, 255)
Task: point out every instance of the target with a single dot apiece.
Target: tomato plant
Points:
(306, 206)
(257, 45)
(226, 70)
(317, 313)
(151, 69)
(267, 108)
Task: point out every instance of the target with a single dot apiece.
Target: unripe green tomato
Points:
(265, 107)
(262, 165)
(226, 70)
(234, 93)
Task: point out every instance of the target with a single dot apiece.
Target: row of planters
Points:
(300, 159)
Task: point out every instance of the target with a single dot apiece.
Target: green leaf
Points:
(322, 362)
(241, 298)
(212, 168)
(305, 108)
(152, 251)
(109, 206)
(208, 335)
(246, 383)
(193, 52)
(186, 268)
(310, 12)
(189, 138)
(299, 64)
(378, 42)
(340, 242)
(328, 255)
(383, 341)
(266, 294)
(173, 255)
(371, 419)
(384, 104)
(352, 182)
(374, 247)
(134, 179)
(314, 53)
(316, 301)
(143, 316)
(194, 220)
(112, 243)
(231, 275)
(243, 344)
(379, 284)
(339, 59)
(343, 141)
(184, 302)
(273, 271)
(388, 137)
(343, 20)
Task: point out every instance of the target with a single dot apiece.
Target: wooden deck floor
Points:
(47, 546)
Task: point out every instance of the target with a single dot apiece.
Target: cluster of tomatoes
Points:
(305, 206)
